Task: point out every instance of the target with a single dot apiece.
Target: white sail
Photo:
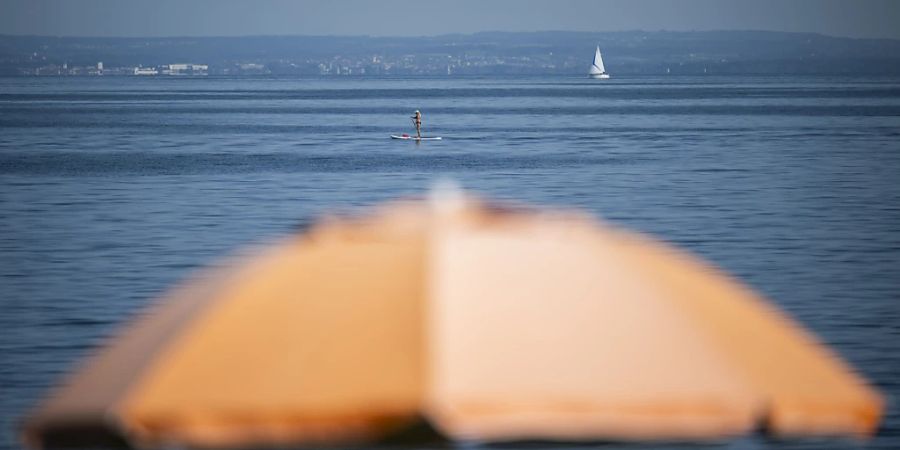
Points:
(597, 69)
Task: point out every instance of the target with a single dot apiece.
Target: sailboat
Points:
(597, 69)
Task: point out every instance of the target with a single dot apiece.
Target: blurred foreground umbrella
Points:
(491, 324)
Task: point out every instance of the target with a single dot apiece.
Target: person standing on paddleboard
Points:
(417, 119)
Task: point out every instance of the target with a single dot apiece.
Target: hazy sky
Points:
(855, 18)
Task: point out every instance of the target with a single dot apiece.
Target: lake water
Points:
(112, 189)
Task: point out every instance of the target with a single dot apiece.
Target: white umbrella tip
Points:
(447, 196)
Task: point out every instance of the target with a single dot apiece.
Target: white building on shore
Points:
(145, 71)
(185, 69)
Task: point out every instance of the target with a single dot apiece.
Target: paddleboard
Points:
(413, 138)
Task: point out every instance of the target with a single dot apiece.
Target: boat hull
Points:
(599, 76)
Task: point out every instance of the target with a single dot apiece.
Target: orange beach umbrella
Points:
(491, 324)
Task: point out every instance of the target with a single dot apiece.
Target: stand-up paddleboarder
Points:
(417, 120)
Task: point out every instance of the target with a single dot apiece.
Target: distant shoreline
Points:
(497, 53)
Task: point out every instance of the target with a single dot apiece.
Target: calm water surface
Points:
(113, 189)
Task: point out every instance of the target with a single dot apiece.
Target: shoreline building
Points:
(145, 71)
(185, 69)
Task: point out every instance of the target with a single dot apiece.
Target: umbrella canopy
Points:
(492, 324)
